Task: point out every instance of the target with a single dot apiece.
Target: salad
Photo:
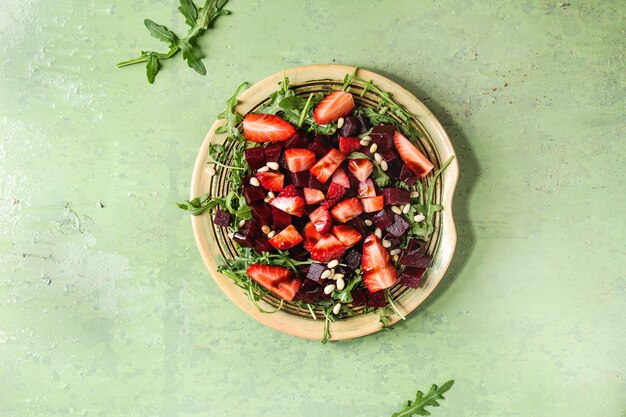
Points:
(329, 203)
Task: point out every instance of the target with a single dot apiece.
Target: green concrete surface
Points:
(106, 308)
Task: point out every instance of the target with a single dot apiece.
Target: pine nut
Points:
(241, 223)
(271, 234)
(419, 218)
(415, 194)
(329, 288)
(384, 166)
(341, 284)
(340, 122)
(337, 308)
(373, 148)
(210, 171)
(396, 209)
(378, 233)
(326, 274)
(386, 243)
(338, 276)
(231, 235)
(395, 258)
(364, 142)
(271, 194)
(406, 208)
(273, 166)
(368, 222)
(332, 264)
(254, 182)
(265, 229)
(267, 199)
(394, 252)
(263, 169)
(378, 158)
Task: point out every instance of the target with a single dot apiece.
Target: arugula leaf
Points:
(188, 9)
(161, 32)
(200, 204)
(152, 68)
(417, 406)
(193, 55)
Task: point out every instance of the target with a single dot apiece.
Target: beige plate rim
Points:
(361, 325)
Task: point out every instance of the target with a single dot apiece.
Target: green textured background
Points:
(117, 316)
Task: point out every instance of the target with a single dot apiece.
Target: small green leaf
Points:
(417, 407)
(152, 68)
(292, 103)
(161, 32)
(194, 56)
(188, 9)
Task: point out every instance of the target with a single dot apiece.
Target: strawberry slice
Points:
(266, 128)
(346, 235)
(299, 159)
(321, 220)
(347, 210)
(340, 177)
(313, 196)
(335, 105)
(311, 236)
(348, 145)
(334, 194)
(290, 205)
(271, 181)
(373, 204)
(287, 238)
(327, 249)
(290, 191)
(411, 156)
(366, 189)
(280, 281)
(361, 168)
(378, 272)
(324, 168)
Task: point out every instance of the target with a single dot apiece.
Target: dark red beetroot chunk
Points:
(396, 196)
(393, 163)
(273, 151)
(358, 297)
(280, 219)
(222, 218)
(299, 140)
(399, 226)
(299, 253)
(250, 228)
(394, 240)
(358, 226)
(412, 276)
(382, 219)
(282, 162)
(243, 240)
(415, 255)
(252, 194)
(314, 183)
(262, 214)
(255, 157)
(309, 292)
(364, 123)
(315, 272)
(320, 146)
(350, 126)
(263, 245)
(407, 175)
(382, 135)
(352, 258)
(300, 179)
(376, 299)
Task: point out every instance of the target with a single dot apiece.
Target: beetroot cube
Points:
(314, 183)
(315, 272)
(303, 270)
(262, 214)
(350, 126)
(354, 181)
(415, 255)
(273, 151)
(243, 240)
(250, 228)
(393, 163)
(358, 225)
(407, 175)
(298, 140)
(382, 219)
(309, 292)
(253, 194)
(280, 219)
(382, 135)
(300, 179)
(394, 240)
(411, 276)
(320, 146)
(399, 226)
(376, 299)
(358, 297)
(352, 258)
(299, 253)
(396, 196)
(222, 218)
(263, 245)
(364, 123)
(255, 157)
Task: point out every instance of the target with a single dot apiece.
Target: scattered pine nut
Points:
(396, 209)
(384, 166)
(395, 258)
(337, 308)
(265, 229)
(418, 218)
(415, 194)
(340, 122)
(341, 284)
(271, 234)
(338, 276)
(241, 223)
(395, 251)
(378, 158)
(271, 194)
(386, 243)
(326, 274)
(373, 148)
(210, 171)
(332, 264)
(329, 288)
(273, 166)
(254, 182)
(263, 169)
(368, 222)
(406, 208)
(378, 233)
(364, 142)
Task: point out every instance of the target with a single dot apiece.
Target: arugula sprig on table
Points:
(418, 406)
(198, 20)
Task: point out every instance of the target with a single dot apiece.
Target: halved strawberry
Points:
(373, 204)
(361, 168)
(324, 168)
(291, 205)
(378, 272)
(281, 281)
(366, 189)
(334, 194)
(271, 181)
(346, 235)
(347, 210)
(411, 156)
(335, 105)
(320, 218)
(299, 159)
(340, 177)
(348, 145)
(287, 238)
(313, 196)
(327, 249)
(311, 236)
(266, 128)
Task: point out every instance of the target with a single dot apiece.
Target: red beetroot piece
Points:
(280, 219)
(358, 297)
(262, 214)
(298, 140)
(350, 126)
(252, 194)
(262, 245)
(222, 218)
(394, 166)
(300, 179)
(347, 210)
(243, 240)
(396, 196)
(250, 228)
(382, 136)
(407, 175)
(411, 276)
(315, 273)
(364, 123)
(273, 151)
(415, 255)
(255, 157)
(352, 258)
(320, 145)
(376, 299)
(399, 226)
